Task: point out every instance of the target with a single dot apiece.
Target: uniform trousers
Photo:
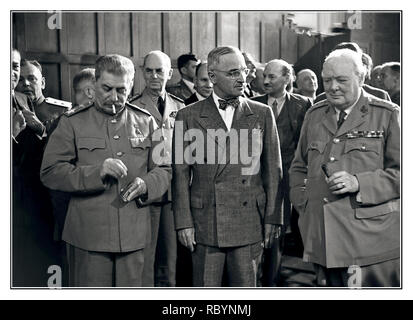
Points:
(383, 274)
(239, 263)
(161, 253)
(104, 269)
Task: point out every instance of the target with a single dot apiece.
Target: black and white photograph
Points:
(205, 149)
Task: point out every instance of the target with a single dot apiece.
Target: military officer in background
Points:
(185, 87)
(44, 205)
(163, 106)
(103, 154)
(32, 83)
(345, 181)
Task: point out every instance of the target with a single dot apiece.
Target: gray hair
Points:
(351, 55)
(215, 54)
(115, 64)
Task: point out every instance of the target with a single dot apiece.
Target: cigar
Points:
(113, 109)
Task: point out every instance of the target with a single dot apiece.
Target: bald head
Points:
(277, 75)
(156, 71)
(307, 83)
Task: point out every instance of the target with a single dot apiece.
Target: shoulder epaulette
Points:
(133, 98)
(138, 108)
(78, 109)
(60, 103)
(322, 103)
(382, 103)
(176, 98)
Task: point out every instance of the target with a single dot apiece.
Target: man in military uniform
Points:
(163, 107)
(84, 86)
(41, 116)
(345, 181)
(185, 87)
(103, 154)
(32, 83)
(252, 66)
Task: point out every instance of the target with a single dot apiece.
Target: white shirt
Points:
(189, 84)
(280, 102)
(200, 98)
(227, 114)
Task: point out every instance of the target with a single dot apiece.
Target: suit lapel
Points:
(245, 119)
(291, 111)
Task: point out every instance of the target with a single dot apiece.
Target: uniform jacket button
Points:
(116, 137)
(119, 154)
(325, 200)
(332, 159)
(336, 140)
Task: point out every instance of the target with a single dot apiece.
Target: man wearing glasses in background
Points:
(224, 210)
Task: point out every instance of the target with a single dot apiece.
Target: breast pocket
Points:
(364, 154)
(91, 149)
(315, 154)
(139, 144)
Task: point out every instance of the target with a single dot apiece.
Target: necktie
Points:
(161, 106)
(341, 119)
(275, 109)
(223, 104)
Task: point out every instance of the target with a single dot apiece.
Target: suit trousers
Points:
(383, 274)
(239, 263)
(104, 269)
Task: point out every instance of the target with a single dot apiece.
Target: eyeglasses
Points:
(235, 74)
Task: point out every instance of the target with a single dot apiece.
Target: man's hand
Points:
(342, 182)
(33, 122)
(19, 123)
(271, 231)
(187, 238)
(113, 168)
(136, 188)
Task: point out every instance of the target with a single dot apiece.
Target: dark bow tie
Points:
(223, 104)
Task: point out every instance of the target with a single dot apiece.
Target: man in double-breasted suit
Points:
(105, 155)
(163, 107)
(226, 171)
(289, 110)
(345, 181)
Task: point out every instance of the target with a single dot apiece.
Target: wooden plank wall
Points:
(86, 35)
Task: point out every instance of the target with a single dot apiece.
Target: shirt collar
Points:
(189, 84)
(349, 109)
(280, 100)
(200, 98)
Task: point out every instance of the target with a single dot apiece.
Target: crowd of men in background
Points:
(89, 197)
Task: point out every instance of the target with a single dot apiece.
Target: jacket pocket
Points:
(379, 210)
(317, 145)
(363, 145)
(196, 203)
(138, 142)
(91, 143)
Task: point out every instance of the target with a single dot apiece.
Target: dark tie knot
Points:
(341, 118)
(223, 104)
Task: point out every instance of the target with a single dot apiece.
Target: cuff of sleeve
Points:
(92, 179)
(359, 195)
(150, 188)
(183, 221)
